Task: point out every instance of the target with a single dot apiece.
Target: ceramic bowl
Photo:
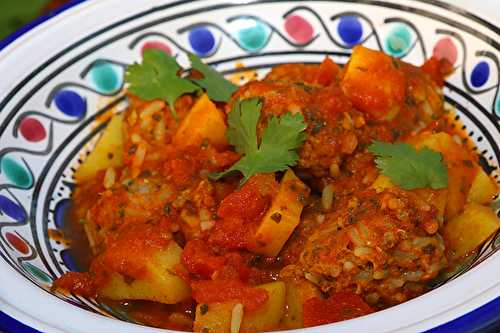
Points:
(63, 78)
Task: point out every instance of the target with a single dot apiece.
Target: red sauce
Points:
(327, 72)
(227, 290)
(127, 249)
(197, 258)
(438, 69)
(78, 283)
(339, 306)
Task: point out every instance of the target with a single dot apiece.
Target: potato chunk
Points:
(160, 284)
(296, 293)
(204, 121)
(470, 229)
(107, 153)
(267, 317)
(217, 317)
(374, 83)
(462, 168)
(282, 217)
(214, 318)
(483, 188)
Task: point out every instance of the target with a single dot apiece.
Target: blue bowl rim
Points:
(482, 318)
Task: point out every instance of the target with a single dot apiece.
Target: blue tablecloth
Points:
(10, 325)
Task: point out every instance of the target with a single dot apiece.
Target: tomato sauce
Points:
(339, 306)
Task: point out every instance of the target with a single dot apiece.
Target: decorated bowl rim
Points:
(472, 313)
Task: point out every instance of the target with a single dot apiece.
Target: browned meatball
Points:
(383, 245)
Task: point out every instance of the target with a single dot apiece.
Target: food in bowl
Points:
(316, 195)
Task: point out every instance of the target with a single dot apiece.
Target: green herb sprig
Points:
(408, 167)
(157, 77)
(277, 149)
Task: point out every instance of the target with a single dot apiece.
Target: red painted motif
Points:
(157, 46)
(17, 243)
(32, 130)
(299, 29)
(445, 48)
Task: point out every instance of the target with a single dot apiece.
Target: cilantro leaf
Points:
(242, 121)
(156, 78)
(277, 149)
(218, 88)
(409, 168)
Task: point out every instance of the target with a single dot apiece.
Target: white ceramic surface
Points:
(56, 56)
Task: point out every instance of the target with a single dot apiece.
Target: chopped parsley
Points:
(277, 149)
(408, 167)
(157, 77)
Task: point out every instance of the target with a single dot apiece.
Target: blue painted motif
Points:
(70, 103)
(480, 74)
(69, 261)
(60, 212)
(350, 30)
(12, 209)
(202, 41)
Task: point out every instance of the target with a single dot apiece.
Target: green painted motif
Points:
(37, 273)
(16, 172)
(398, 41)
(251, 34)
(105, 78)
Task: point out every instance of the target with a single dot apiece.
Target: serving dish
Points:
(54, 105)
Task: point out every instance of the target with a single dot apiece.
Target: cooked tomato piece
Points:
(438, 69)
(327, 72)
(251, 202)
(198, 259)
(339, 306)
(230, 233)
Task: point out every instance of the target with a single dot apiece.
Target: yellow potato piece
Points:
(216, 318)
(160, 285)
(296, 293)
(204, 121)
(107, 153)
(470, 229)
(461, 168)
(374, 73)
(282, 217)
(269, 316)
(483, 188)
